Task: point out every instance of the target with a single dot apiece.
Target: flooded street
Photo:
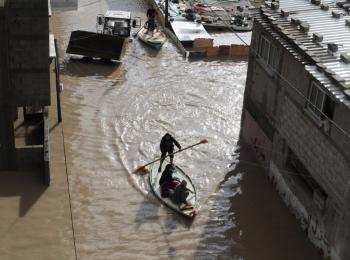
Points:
(113, 119)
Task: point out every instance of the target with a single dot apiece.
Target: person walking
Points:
(167, 147)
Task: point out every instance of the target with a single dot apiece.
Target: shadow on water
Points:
(149, 213)
(172, 221)
(84, 67)
(26, 185)
(258, 224)
(215, 243)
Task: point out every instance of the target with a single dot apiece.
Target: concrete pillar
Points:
(7, 143)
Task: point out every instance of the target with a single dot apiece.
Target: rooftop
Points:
(320, 30)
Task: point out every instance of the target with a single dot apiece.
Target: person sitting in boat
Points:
(167, 146)
(180, 194)
(167, 174)
(151, 20)
(167, 182)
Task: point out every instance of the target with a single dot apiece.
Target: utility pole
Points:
(167, 13)
(58, 82)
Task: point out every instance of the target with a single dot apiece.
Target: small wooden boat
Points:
(154, 177)
(154, 40)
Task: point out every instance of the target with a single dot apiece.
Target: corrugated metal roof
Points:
(321, 31)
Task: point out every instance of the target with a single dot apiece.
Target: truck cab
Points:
(116, 23)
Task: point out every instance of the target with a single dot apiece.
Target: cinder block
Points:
(195, 54)
(202, 43)
(224, 50)
(212, 51)
(239, 51)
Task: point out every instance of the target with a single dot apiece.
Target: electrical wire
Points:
(264, 147)
(343, 131)
(255, 52)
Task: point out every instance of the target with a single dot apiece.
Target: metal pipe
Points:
(57, 72)
(167, 13)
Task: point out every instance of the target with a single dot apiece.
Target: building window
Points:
(273, 57)
(264, 49)
(320, 104)
(304, 180)
(268, 53)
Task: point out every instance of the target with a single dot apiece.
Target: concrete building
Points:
(63, 5)
(24, 83)
(297, 113)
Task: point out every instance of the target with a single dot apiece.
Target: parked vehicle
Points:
(108, 42)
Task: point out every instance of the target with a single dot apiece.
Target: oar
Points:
(143, 168)
(136, 33)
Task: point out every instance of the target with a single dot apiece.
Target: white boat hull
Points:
(154, 177)
(155, 39)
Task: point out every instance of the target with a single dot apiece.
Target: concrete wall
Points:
(24, 73)
(342, 118)
(280, 113)
(262, 87)
(296, 77)
(314, 149)
(257, 139)
(28, 51)
(64, 5)
(46, 148)
(7, 146)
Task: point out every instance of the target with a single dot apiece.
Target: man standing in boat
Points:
(151, 19)
(167, 147)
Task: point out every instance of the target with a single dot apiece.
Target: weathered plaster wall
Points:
(325, 154)
(28, 51)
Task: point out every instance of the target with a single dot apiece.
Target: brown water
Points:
(113, 119)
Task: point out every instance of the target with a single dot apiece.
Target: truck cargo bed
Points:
(97, 45)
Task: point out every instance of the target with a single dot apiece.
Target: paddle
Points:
(136, 33)
(143, 168)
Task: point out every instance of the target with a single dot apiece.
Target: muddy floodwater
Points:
(113, 119)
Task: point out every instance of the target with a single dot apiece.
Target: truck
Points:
(108, 42)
